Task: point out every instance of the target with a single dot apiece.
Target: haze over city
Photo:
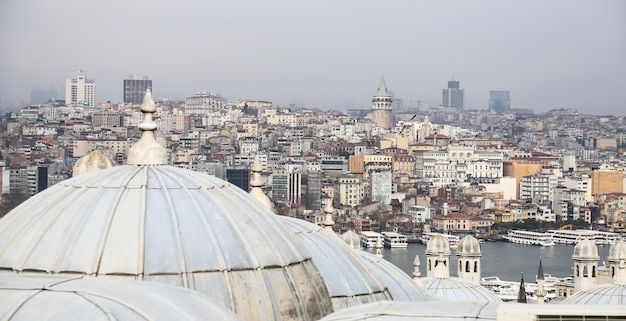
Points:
(323, 54)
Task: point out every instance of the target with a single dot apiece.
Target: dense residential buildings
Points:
(487, 165)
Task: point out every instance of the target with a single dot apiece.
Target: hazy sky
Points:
(323, 53)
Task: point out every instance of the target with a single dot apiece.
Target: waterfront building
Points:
(499, 101)
(453, 95)
(135, 87)
(382, 106)
(80, 90)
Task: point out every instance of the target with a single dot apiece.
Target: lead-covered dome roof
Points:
(468, 246)
(438, 244)
(617, 251)
(603, 294)
(42, 298)
(586, 250)
(150, 221)
(456, 289)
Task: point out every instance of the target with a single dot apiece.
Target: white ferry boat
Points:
(452, 239)
(369, 238)
(572, 237)
(394, 240)
(507, 291)
(606, 238)
(529, 238)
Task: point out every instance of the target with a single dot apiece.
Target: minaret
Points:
(541, 291)
(416, 272)
(585, 265)
(521, 294)
(382, 106)
(617, 252)
(255, 185)
(469, 254)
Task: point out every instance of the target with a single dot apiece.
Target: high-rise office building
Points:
(499, 101)
(135, 88)
(382, 105)
(80, 90)
(453, 95)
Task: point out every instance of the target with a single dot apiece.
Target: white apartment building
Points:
(80, 90)
(538, 187)
(581, 182)
(349, 190)
(116, 145)
(381, 186)
(456, 164)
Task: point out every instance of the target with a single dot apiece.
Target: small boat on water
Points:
(529, 238)
(394, 240)
(452, 239)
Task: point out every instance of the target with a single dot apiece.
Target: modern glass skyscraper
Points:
(135, 89)
(499, 101)
(453, 95)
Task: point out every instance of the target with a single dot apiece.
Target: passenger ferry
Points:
(572, 237)
(394, 240)
(530, 238)
(606, 238)
(369, 238)
(452, 239)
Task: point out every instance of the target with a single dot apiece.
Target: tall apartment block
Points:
(453, 95)
(80, 90)
(382, 106)
(499, 101)
(135, 88)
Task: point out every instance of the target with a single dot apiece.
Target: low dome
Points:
(617, 251)
(417, 311)
(350, 280)
(30, 297)
(92, 161)
(438, 244)
(455, 289)
(170, 225)
(586, 250)
(352, 239)
(468, 246)
(399, 284)
(604, 294)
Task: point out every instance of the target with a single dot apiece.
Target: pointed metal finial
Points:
(147, 151)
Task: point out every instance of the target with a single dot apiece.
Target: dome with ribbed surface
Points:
(603, 294)
(43, 298)
(438, 244)
(170, 225)
(455, 289)
(399, 284)
(586, 250)
(617, 251)
(350, 280)
(468, 246)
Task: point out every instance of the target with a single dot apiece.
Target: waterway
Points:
(503, 259)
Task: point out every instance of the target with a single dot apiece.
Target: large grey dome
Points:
(350, 280)
(39, 297)
(175, 226)
(603, 294)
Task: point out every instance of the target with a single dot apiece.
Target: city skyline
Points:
(324, 55)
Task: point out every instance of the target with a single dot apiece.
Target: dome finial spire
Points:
(328, 219)
(147, 151)
(257, 182)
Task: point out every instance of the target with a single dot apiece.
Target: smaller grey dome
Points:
(352, 239)
(92, 161)
(469, 246)
(438, 244)
(617, 251)
(604, 294)
(455, 289)
(586, 250)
